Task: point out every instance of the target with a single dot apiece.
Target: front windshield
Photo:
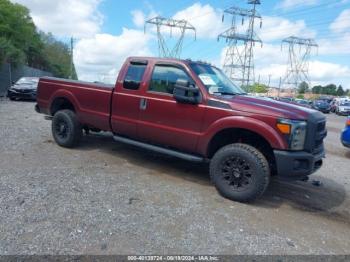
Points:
(28, 80)
(215, 80)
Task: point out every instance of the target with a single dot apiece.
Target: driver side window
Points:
(164, 78)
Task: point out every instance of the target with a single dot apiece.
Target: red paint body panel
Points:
(183, 126)
(91, 101)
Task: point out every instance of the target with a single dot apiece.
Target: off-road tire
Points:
(66, 129)
(248, 168)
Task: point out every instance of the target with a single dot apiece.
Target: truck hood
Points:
(262, 106)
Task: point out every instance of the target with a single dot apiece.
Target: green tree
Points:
(9, 53)
(258, 88)
(317, 89)
(340, 91)
(21, 43)
(330, 89)
(303, 87)
(58, 58)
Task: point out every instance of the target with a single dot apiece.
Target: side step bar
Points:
(174, 153)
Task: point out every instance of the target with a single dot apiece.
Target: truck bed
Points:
(91, 100)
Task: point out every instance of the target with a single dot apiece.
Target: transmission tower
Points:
(164, 46)
(299, 52)
(239, 59)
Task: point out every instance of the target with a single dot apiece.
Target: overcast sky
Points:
(107, 31)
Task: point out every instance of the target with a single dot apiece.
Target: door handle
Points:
(143, 103)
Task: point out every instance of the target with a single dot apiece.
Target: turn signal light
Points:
(284, 128)
(348, 122)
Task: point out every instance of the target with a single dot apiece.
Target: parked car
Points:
(286, 99)
(303, 102)
(343, 109)
(337, 102)
(191, 110)
(24, 88)
(322, 106)
(345, 136)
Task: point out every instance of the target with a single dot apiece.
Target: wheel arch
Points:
(63, 100)
(248, 124)
(243, 130)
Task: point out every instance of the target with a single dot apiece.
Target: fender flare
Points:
(254, 125)
(67, 95)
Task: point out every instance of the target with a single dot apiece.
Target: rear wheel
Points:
(66, 128)
(240, 172)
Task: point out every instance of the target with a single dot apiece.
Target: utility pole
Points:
(279, 87)
(10, 73)
(71, 57)
(268, 84)
(163, 45)
(299, 52)
(239, 62)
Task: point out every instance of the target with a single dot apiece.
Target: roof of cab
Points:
(164, 59)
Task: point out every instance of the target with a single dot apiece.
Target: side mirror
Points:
(186, 94)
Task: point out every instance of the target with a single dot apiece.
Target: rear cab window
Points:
(134, 75)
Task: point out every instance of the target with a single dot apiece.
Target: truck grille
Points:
(316, 134)
(24, 91)
(321, 126)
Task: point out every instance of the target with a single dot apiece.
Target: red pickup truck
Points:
(191, 110)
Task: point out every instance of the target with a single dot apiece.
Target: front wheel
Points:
(240, 172)
(66, 128)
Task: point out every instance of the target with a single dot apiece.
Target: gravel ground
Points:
(108, 198)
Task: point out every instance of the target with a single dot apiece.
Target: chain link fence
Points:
(9, 74)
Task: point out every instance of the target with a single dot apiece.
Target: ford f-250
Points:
(191, 110)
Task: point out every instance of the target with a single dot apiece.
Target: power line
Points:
(305, 9)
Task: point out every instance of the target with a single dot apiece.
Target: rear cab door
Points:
(125, 105)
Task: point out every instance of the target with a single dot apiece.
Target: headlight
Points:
(295, 132)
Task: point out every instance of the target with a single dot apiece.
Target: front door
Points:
(163, 120)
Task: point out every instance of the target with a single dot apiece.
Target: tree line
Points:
(303, 88)
(330, 89)
(21, 43)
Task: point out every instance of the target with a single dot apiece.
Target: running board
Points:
(170, 152)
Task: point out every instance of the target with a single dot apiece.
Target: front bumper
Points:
(345, 137)
(344, 113)
(324, 110)
(297, 165)
(21, 95)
